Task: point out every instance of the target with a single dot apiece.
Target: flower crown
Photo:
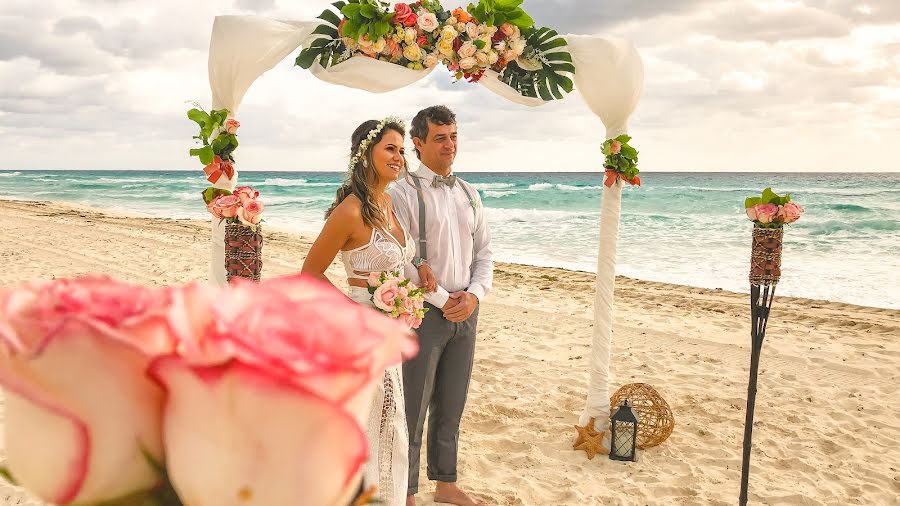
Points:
(364, 145)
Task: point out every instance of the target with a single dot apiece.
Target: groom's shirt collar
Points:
(426, 173)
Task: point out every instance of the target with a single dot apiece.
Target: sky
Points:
(731, 85)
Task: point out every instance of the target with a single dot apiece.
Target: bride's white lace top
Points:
(382, 253)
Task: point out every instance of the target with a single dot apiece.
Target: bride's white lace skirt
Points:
(388, 462)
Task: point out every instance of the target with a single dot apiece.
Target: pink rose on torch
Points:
(765, 213)
(385, 295)
(225, 206)
(790, 212)
(245, 193)
(615, 148)
(79, 407)
(232, 125)
(751, 212)
(250, 213)
(308, 358)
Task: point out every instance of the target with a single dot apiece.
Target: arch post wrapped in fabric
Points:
(608, 74)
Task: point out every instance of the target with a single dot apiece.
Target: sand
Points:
(827, 429)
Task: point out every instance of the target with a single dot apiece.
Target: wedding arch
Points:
(608, 74)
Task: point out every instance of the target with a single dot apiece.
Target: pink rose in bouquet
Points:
(269, 390)
(386, 295)
(246, 194)
(765, 213)
(250, 213)
(232, 125)
(472, 30)
(397, 297)
(80, 410)
(790, 212)
(428, 22)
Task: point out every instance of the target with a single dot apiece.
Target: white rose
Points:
(467, 50)
(449, 33)
(461, 27)
(452, 21)
(428, 21)
(410, 36)
(445, 47)
(431, 60)
(350, 42)
(412, 53)
(493, 57)
(500, 46)
(379, 45)
(482, 59)
(518, 46)
(467, 63)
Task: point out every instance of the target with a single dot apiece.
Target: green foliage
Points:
(551, 80)
(211, 194)
(768, 197)
(328, 48)
(497, 12)
(212, 122)
(625, 161)
(366, 17)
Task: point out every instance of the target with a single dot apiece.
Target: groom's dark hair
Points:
(437, 114)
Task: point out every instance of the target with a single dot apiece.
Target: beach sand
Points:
(827, 429)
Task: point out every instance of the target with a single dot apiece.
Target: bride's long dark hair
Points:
(362, 175)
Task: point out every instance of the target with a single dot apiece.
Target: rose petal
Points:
(236, 435)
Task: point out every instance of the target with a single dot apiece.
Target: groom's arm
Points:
(406, 209)
(483, 264)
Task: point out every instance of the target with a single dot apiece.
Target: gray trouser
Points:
(437, 381)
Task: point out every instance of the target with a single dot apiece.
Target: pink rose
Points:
(472, 30)
(374, 279)
(422, 41)
(293, 348)
(790, 212)
(403, 14)
(245, 193)
(615, 148)
(408, 319)
(385, 295)
(751, 213)
(510, 55)
(507, 29)
(250, 213)
(467, 50)
(231, 126)
(225, 206)
(428, 21)
(765, 213)
(468, 63)
(408, 305)
(79, 407)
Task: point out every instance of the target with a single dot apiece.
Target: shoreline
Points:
(307, 237)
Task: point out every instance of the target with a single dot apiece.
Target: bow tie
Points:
(447, 180)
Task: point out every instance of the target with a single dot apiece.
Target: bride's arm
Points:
(335, 234)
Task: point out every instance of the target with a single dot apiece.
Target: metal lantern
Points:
(623, 433)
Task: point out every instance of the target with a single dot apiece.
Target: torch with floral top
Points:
(242, 213)
(769, 213)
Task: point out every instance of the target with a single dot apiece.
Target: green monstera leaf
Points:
(542, 70)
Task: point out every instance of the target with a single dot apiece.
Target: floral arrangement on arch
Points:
(621, 161)
(494, 35)
(218, 136)
(240, 206)
(771, 210)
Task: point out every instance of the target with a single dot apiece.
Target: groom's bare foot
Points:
(449, 493)
(410, 500)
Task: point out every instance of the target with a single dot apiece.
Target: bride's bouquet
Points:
(398, 297)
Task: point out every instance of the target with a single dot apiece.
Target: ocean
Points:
(685, 228)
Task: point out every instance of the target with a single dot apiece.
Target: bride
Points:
(361, 225)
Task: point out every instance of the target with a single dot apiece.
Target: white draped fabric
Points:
(609, 76)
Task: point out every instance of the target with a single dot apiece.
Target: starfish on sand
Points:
(590, 440)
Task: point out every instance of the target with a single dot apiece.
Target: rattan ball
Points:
(655, 418)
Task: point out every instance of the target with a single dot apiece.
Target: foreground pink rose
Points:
(251, 212)
(79, 407)
(246, 194)
(225, 205)
(269, 390)
(231, 126)
(790, 212)
(765, 213)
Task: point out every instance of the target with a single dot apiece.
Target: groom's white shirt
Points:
(459, 242)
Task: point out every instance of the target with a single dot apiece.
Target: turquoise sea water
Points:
(686, 228)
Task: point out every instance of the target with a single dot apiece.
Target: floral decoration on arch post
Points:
(494, 35)
(621, 161)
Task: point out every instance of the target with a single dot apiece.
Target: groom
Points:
(453, 247)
